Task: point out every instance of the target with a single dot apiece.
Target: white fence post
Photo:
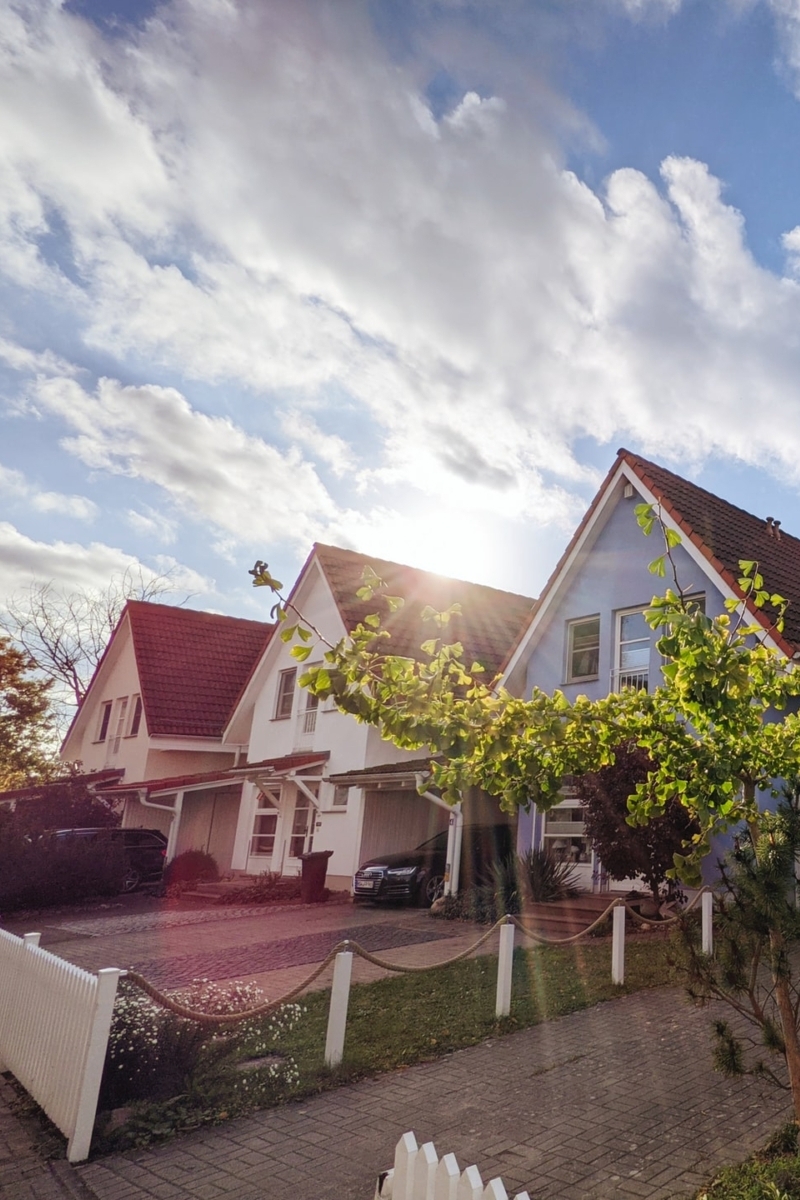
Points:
(95, 1056)
(425, 1166)
(707, 905)
(337, 1014)
(31, 939)
(505, 964)
(448, 1174)
(405, 1157)
(470, 1186)
(618, 946)
(495, 1190)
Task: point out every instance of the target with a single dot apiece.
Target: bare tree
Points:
(65, 632)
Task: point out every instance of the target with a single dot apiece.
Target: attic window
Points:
(105, 719)
(285, 700)
(136, 716)
(583, 649)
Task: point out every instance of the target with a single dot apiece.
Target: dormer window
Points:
(285, 698)
(583, 649)
(105, 720)
(136, 716)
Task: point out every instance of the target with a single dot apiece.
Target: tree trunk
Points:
(783, 995)
(791, 1040)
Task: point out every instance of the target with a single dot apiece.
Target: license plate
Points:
(365, 883)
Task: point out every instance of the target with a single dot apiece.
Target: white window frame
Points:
(105, 720)
(569, 802)
(618, 670)
(134, 716)
(287, 686)
(571, 626)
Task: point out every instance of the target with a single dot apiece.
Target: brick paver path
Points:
(272, 956)
(617, 1101)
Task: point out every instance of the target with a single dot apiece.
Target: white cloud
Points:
(70, 565)
(153, 524)
(207, 465)
(266, 200)
(14, 483)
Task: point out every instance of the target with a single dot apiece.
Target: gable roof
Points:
(192, 665)
(713, 530)
(726, 534)
(490, 622)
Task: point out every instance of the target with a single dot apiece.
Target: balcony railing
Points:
(636, 681)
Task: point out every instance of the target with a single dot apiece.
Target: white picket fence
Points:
(54, 1025)
(419, 1174)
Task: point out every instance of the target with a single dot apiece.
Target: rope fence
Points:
(341, 955)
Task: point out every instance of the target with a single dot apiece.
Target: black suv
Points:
(418, 874)
(145, 851)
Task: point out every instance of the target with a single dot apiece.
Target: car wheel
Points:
(432, 888)
(131, 880)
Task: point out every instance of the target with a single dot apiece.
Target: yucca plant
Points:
(543, 878)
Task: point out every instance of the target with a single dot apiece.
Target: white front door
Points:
(564, 838)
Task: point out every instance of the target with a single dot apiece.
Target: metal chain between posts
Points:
(269, 1006)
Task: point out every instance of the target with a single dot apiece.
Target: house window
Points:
(283, 706)
(105, 719)
(564, 836)
(583, 649)
(633, 651)
(301, 840)
(263, 840)
(341, 795)
(310, 713)
(136, 717)
(119, 725)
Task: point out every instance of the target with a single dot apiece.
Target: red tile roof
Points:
(223, 775)
(490, 622)
(192, 665)
(725, 534)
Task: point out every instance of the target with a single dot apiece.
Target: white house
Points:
(156, 707)
(286, 812)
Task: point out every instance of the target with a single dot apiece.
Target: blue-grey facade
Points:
(608, 580)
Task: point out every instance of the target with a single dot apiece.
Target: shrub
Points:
(544, 878)
(41, 872)
(155, 1055)
(536, 877)
(269, 888)
(192, 866)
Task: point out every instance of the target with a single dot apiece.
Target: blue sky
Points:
(394, 276)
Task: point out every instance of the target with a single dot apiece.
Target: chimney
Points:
(769, 526)
(776, 525)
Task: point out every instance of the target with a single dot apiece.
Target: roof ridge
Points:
(200, 613)
(361, 555)
(630, 457)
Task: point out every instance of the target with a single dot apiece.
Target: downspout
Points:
(455, 828)
(175, 810)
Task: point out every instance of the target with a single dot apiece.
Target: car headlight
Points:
(403, 872)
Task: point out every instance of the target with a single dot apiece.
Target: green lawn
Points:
(406, 1019)
(772, 1175)
(410, 1018)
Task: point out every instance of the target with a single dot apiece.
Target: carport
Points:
(400, 810)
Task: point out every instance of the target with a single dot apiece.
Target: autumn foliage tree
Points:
(25, 720)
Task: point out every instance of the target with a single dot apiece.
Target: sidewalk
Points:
(616, 1101)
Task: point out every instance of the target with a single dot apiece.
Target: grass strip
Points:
(772, 1174)
(405, 1019)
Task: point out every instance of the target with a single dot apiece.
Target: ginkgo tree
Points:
(720, 730)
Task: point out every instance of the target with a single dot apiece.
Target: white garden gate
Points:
(54, 1025)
